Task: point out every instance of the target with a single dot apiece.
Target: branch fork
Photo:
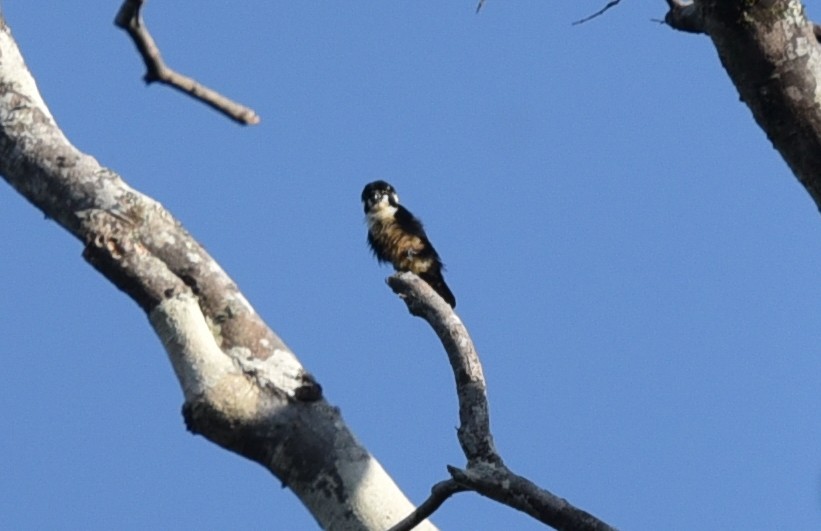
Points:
(485, 472)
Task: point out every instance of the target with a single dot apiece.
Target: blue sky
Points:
(636, 264)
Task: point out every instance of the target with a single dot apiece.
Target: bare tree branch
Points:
(244, 389)
(129, 19)
(498, 483)
(474, 417)
(486, 473)
(611, 3)
(438, 494)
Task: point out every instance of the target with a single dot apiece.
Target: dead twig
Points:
(438, 494)
(129, 19)
(611, 3)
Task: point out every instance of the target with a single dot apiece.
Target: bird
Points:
(398, 237)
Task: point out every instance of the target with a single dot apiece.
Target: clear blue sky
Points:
(638, 267)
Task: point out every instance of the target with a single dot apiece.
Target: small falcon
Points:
(396, 236)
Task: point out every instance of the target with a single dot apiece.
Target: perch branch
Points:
(474, 430)
(129, 19)
(486, 473)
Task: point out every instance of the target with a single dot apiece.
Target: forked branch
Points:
(485, 473)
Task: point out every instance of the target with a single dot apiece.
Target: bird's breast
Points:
(381, 215)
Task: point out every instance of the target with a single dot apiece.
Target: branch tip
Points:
(600, 12)
(439, 493)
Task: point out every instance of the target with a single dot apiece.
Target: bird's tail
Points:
(437, 282)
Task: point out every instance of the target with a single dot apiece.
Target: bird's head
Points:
(377, 195)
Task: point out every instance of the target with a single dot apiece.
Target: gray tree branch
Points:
(244, 389)
(485, 473)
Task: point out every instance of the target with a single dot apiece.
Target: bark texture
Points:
(244, 389)
(770, 52)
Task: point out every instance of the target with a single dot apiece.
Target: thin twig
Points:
(479, 5)
(129, 19)
(611, 3)
(438, 494)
